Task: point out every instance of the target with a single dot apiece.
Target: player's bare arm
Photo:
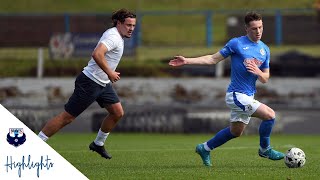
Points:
(263, 75)
(98, 56)
(202, 60)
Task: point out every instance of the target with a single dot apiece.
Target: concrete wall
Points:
(184, 105)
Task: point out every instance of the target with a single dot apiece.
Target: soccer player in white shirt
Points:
(94, 83)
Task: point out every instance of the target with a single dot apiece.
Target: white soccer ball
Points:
(295, 158)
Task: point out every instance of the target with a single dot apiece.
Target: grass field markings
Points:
(174, 149)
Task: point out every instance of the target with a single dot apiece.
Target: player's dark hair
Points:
(252, 16)
(121, 15)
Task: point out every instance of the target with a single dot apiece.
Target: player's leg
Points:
(224, 135)
(108, 99)
(219, 139)
(115, 114)
(55, 124)
(85, 93)
(239, 119)
(267, 115)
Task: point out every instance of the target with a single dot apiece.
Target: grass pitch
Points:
(162, 156)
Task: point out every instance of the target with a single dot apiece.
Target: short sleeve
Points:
(229, 48)
(265, 64)
(110, 42)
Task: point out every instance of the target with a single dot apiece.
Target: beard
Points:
(128, 35)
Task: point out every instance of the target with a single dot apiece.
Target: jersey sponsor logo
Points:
(262, 52)
(245, 48)
(256, 61)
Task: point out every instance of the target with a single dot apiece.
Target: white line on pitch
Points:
(175, 149)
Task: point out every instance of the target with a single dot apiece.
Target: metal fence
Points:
(203, 28)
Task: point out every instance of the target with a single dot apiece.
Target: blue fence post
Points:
(278, 26)
(209, 36)
(66, 22)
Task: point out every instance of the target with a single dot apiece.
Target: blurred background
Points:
(45, 44)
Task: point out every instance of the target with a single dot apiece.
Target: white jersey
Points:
(112, 39)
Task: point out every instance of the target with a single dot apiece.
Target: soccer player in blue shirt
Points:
(250, 59)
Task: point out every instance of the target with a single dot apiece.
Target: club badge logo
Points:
(16, 136)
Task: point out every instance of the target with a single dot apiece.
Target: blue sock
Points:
(220, 138)
(265, 132)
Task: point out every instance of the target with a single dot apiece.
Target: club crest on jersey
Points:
(262, 52)
(254, 60)
(248, 108)
(16, 136)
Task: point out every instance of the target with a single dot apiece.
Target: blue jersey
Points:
(242, 50)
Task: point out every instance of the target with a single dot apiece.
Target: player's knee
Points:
(236, 132)
(118, 115)
(237, 128)
(271, 114)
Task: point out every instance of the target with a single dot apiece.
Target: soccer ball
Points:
(295, 158)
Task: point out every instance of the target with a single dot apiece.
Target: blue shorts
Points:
(86, 91)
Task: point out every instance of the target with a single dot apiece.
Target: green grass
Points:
(160, 156)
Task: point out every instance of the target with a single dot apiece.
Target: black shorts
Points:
(87, 91)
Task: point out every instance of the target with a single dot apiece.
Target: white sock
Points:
(43, 136)
(101, 138)
(206, 147)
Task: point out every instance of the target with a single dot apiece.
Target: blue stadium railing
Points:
(208, 14)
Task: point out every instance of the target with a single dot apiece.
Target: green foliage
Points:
(172, 156)
(12, 68)
(131, 68)
(28, 67)
(165, 53)
(149, 61)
